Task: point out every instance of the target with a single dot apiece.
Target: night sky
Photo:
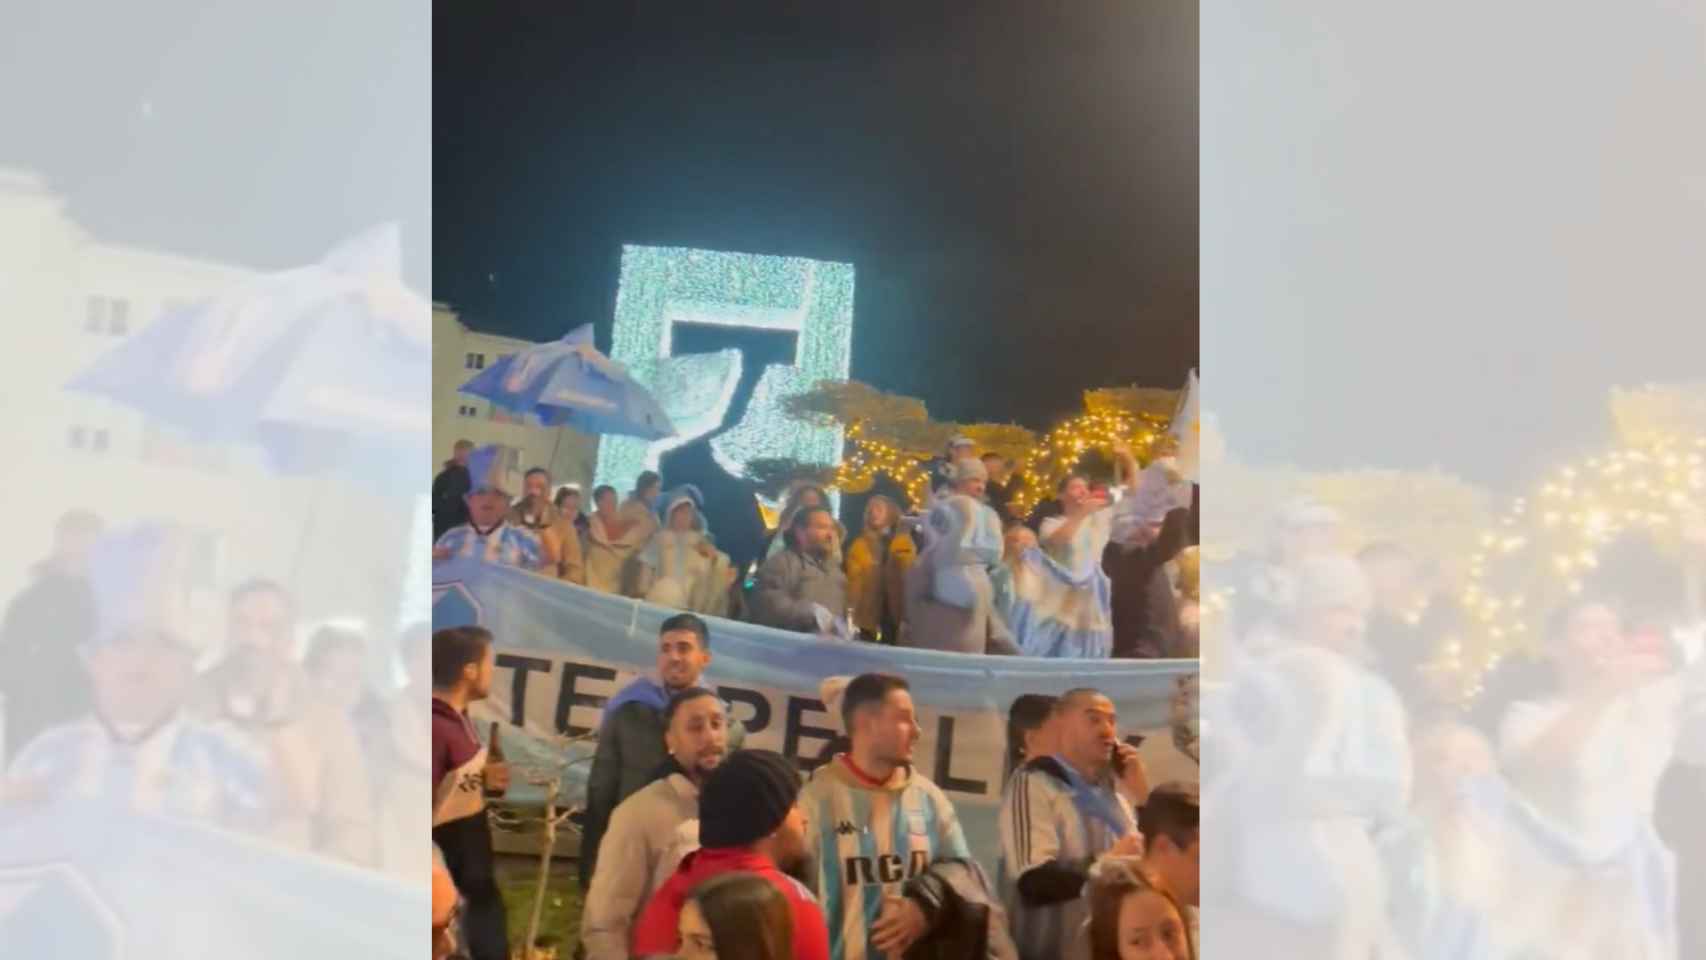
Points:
(1015, 182)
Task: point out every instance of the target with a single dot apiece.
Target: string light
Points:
(1581, 509)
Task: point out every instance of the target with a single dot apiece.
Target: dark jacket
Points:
(966, 919)
(1136, 633)
(790, 582)
(1043, 511)
(449, 510)
(999, 497)
(43, 683)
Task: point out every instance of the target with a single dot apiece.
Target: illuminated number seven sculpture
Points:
(661, 287)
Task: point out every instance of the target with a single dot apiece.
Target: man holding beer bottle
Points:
(464, 772)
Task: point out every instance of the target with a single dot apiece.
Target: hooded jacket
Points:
(647, 837)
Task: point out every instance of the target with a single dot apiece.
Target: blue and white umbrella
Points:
(570, 384)
(323, 366)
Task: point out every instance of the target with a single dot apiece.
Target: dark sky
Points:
(1015, 182)
(258, 135)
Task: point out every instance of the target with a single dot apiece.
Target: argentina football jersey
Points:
(504, 544)
(181, 769)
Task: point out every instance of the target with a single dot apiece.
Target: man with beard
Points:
(259, 695)
(877, 824)
(463, 659)
(799, 586)
(631, 746)
(750, 822)
(661, 822)
(43, 627)
(1062, 812)
(487, 535)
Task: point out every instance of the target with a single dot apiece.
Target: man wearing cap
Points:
(942, 468)
(137, 748)
(487, 536)
(749, 822)
(652, 830)
(449, 510)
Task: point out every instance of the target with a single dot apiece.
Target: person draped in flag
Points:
(1059, 814)
(877, 825)
(488, 536)
(1061, 602)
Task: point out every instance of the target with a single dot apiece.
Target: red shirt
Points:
(657, 932)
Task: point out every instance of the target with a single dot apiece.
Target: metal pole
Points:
(546, 849)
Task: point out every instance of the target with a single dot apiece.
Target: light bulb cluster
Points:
(1543, 549)
(1063, 447)
(868, 458)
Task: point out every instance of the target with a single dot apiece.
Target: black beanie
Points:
(746, 798)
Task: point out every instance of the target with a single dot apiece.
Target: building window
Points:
(468, 411)
(475, 361)
(107, 316)
(92, 439)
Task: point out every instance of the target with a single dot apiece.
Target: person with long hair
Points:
(1133, 916)
(680, 566)
(877, 561)
(736, 916)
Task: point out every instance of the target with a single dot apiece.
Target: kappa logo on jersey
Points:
(846, 829)
(888, 868)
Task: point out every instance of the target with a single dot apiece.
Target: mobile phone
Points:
(1114, 757)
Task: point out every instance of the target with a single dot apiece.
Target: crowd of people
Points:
(699, 847)
(271, 730)
(1373, 801)
(690, 841)
(1095, 572)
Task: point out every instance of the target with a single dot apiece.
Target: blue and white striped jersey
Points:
(181, 769)
(504, 544)
(869, 841)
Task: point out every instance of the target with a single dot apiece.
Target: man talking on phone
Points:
(1060, 814)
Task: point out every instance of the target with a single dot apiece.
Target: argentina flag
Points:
(96, 882)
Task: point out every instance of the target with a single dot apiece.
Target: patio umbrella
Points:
(323, 366)
(569, 383)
